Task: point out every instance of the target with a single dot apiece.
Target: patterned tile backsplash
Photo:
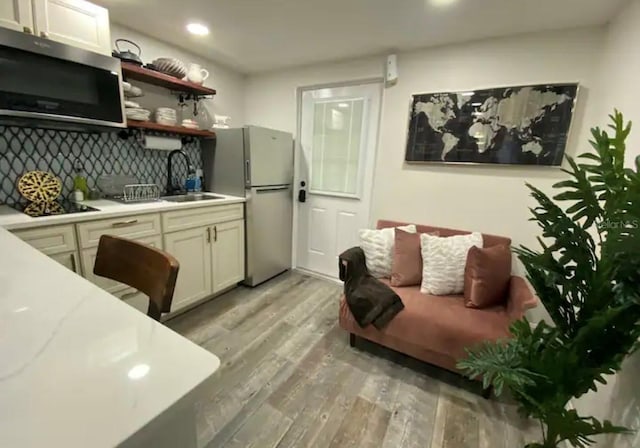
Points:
(27, 149)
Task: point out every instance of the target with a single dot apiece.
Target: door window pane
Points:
(337, 138)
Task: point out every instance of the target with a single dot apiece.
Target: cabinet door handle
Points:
(215, 233)
(74, 266)
(124, 223)
(44, 34)
(26, 29)
(208, 234)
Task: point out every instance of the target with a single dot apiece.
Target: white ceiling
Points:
(259, 35)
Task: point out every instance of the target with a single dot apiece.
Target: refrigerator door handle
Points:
(247, 171)
(266, 190)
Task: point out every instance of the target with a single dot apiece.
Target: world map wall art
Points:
(524, 125)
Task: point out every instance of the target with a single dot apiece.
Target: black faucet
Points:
(173, 188)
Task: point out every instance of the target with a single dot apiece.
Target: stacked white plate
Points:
(190, 124)
(171, 66)
(137, 113)
(166, 116)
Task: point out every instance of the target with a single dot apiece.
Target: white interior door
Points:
(336, 158)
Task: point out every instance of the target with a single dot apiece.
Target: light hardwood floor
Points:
(288, 378)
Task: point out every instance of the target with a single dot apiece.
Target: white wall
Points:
(619, 400)
(491, 199)
(270, 98)
(230, 84)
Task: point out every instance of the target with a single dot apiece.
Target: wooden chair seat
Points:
(145, 268)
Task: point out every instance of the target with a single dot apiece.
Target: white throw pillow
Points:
(443, 262)
(378, 249)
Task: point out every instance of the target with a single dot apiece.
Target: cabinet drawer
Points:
(199, 217)
(131, 227)
(88, 259)
(50, 240)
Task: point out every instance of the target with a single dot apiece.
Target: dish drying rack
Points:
(141, 193)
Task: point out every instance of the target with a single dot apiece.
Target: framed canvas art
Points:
(522, 125)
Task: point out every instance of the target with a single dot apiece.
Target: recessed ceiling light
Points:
(198, 29)
(343, 105)
(442, 2)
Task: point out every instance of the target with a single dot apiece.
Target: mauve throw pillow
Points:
(487, 276)
(406, 269)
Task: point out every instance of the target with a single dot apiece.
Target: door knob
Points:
(302, 194)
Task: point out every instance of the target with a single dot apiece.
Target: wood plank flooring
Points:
(288, 378)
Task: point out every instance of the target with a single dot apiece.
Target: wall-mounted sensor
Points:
(392, 70)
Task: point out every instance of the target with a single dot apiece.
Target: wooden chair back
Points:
(145, 268)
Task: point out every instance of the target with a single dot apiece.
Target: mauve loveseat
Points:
(438, 329)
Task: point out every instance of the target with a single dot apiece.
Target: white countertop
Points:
(13, 220)
(79, 367)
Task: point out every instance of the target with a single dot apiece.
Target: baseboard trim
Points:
(318, 275)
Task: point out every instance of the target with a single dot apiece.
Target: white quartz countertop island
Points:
(80, 368)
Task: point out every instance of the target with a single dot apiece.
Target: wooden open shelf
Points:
(137, 73)
(151, 126)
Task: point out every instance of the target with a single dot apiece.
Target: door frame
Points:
(298, 149)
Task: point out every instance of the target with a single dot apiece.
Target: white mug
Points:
(197, 74)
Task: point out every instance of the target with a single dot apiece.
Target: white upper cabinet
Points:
(74, 22)
(16, 14)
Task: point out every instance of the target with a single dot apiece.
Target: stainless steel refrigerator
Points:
(256, 163)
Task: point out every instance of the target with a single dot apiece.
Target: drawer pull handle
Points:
(124, 223)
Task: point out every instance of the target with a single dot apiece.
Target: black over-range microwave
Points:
(46, 81)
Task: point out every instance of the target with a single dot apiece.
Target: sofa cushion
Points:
(441, 324)
(487, 276)
(444, 261)
(378, 249)
(406, 269)
(489, 240)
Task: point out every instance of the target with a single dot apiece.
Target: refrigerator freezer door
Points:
(269, 232)
(269, 157)
(224, 163)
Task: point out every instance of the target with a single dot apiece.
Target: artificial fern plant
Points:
(587, 275)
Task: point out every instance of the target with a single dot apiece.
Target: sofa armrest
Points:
(521, 298)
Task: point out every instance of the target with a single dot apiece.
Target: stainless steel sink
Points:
(192, 197)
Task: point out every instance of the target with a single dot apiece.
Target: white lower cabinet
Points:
(208, 242)
(134, 298)
(211, 260)
(192, 250)
(227, 253)
(69, 260)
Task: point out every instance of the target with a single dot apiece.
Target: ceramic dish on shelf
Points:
(170, 66)
(138, 114)
(126, 86)
(134, 92)
(190, 124)
(166, 121)
(131, 105)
